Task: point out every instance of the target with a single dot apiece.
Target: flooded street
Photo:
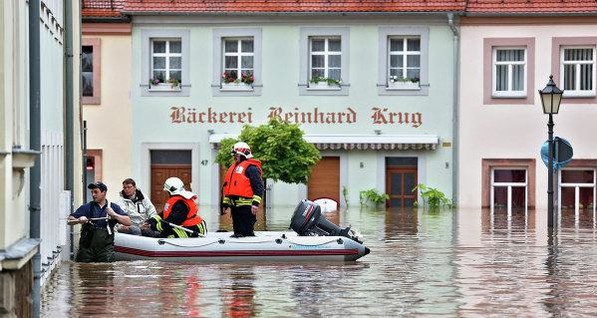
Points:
(453, 263)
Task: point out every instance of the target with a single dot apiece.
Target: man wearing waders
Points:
(98, 218)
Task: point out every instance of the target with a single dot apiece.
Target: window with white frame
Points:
(404, 59)
(325, 60)
(577, 189)
(509, 72)
(509, 188)
(166, 61)
(238, 55)
(578, 71)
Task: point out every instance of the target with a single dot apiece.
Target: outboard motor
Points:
(308, 220)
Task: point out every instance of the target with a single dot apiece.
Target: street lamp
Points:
(551, 96)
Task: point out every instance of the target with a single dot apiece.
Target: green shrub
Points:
(373, 196)
(433, 197)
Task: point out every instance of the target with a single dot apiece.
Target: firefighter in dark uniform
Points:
(180, 213)
(243, 190)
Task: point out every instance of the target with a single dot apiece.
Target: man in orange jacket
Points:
(179, 211)
(242, 190)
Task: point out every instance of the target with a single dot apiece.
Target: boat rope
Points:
(185, 245)
(312, 244)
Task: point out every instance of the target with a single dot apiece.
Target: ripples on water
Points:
(440, 264)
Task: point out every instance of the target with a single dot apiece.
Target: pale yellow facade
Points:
(109, 121)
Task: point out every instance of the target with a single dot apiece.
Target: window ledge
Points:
(164, 88)
(509, 96)
(323, 87)
(236, 87)
(22, 159)
(401, 86)
(578, 95)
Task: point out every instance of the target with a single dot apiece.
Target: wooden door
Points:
(159, 174)
(324, 181)
(400, 182)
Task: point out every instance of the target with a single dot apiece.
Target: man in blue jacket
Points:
(98, 218)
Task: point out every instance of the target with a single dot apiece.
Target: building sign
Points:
(377, 116)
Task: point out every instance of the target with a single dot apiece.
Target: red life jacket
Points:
(192, 217)
(237, 183)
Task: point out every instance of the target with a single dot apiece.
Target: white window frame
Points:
(577, 79)
(219, 88)
(509, 185)
(383, 81)
(326, 53)
(238, 54)
(576, 187)
(509, 92)
(305, 87)
(145, 64)
(167, 55)
(397, 84)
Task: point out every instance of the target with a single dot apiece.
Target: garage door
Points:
(324, 181)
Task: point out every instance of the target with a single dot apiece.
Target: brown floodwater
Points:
(449, 263)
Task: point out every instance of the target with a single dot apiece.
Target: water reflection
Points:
(454, 263)
(239, 294)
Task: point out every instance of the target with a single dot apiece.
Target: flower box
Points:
(323, 86)
(404, 85)
(236, 86)
(164, 88)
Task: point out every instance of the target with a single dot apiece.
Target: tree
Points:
(284, 154)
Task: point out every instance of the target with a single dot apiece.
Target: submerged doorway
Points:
(166, 164)
(401, 179)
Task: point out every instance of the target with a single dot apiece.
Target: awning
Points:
(360, 142)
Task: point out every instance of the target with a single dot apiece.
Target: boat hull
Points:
(219, 246)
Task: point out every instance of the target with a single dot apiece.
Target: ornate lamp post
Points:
(551, 96)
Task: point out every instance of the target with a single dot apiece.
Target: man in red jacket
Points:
(242, 190)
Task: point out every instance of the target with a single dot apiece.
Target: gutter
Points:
(69, 110)
(455, 108)
(35, 145)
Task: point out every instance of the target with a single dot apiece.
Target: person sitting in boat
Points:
(180, 217)
(242, 190)
(98, 218)
(137, 206)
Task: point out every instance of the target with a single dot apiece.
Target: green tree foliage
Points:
(284, 154)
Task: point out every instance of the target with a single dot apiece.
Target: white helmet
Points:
(242, 149)
(173, 185)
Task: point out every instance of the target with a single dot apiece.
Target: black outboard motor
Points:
(308, 220)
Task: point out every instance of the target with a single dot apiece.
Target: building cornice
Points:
(107, 28)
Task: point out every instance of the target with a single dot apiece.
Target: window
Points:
(90, 72)
(508, 184)
(403, 56)
(509, 77)
(578, 71)
(238, 62)
(87, 71)
(508, 67)
(237, 71)
(324, 61)
(166, 57)
(404, 62)
(573, 68)
(508, 189)
(577, 189)
(165, 62)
